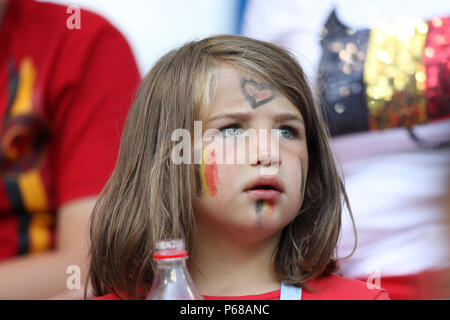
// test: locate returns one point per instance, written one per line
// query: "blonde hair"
(149, 198)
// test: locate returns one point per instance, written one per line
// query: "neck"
(223, 267)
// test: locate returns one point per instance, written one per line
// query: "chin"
(259, 225)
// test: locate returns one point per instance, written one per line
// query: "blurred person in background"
(383, 77)
(67, 79)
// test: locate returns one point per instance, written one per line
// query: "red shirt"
(64, 97)
(331, 287)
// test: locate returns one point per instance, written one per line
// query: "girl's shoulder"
(335, 287)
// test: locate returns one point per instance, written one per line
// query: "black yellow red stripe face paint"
(23, 140)
(394, 75)
(262, 206)
(207, 177)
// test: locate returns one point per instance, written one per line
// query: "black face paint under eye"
(257, 93)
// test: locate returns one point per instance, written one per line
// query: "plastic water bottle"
(172, 280)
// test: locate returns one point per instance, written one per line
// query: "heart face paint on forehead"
(257, 93)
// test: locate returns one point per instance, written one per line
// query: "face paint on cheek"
(198, 180)
(208, 176)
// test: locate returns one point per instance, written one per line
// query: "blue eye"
(231, 130)
(288, 132)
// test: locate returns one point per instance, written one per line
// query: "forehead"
(237, 90)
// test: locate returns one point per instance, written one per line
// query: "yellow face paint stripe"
(394, 75)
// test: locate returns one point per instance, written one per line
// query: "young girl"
(249, 233)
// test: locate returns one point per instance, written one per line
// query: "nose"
(268, 150)
(268, 160)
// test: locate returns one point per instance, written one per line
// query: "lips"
(265, 188)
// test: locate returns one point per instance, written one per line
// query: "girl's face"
(261, 197)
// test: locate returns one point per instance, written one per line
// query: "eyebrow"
(289, 117)
(243, 116)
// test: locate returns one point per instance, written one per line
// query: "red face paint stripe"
(211, 175)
